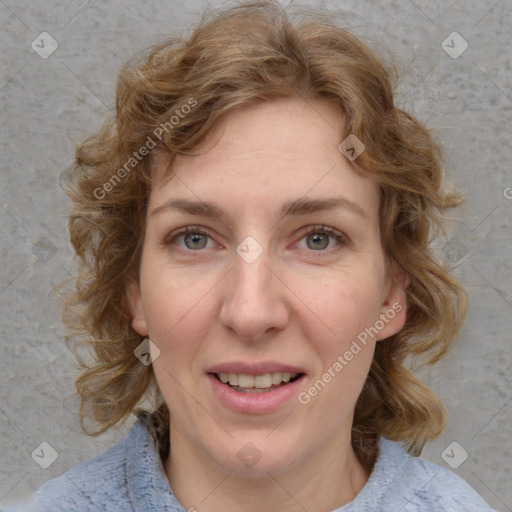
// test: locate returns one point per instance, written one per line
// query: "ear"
(393, 312)
(138, 316)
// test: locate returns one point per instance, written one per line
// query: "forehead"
(272, 151)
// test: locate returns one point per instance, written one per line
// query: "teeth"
(277, 378)
(244, 381)
(264, 381)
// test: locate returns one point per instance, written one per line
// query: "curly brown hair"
(252, 53)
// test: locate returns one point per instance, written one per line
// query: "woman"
(253, 228)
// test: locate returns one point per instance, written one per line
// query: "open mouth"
(257, 383)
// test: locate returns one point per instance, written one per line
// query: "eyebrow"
(301, 206)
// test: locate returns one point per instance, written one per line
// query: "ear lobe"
(394, 308)
(134, 298)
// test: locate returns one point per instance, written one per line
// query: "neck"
(323, 481)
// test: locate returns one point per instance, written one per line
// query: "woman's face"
(281, 272)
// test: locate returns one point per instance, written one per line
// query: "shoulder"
(128, 476)
(89, 485)
(418, 485)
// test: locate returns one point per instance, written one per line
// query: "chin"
(256, 456)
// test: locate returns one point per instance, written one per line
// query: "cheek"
(348, 307)
(176, 307)
(344, 306)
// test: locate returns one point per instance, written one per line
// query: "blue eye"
(193, 238)
(318, 238)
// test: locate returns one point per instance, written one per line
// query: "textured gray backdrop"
(48, 101)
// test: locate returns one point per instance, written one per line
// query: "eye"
(319, 238)
(193, 238)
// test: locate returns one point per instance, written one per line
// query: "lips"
(255, 400)
(254, 387)
(255, 377)
(254, 368)
(259, 383)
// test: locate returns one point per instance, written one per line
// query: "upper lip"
(254, 368)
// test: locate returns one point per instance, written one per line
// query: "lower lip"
(253, 403)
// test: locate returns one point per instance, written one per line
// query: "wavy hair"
(252, 53)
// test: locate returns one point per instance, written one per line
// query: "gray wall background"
(48, 103)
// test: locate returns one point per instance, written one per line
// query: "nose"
(254, 304)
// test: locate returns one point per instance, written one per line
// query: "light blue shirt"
(130, 477)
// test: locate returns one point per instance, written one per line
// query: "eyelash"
(325, 230)
(315, 229)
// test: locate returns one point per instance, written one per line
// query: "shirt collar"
(148, 486)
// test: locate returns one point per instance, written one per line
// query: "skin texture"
(301, 302)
